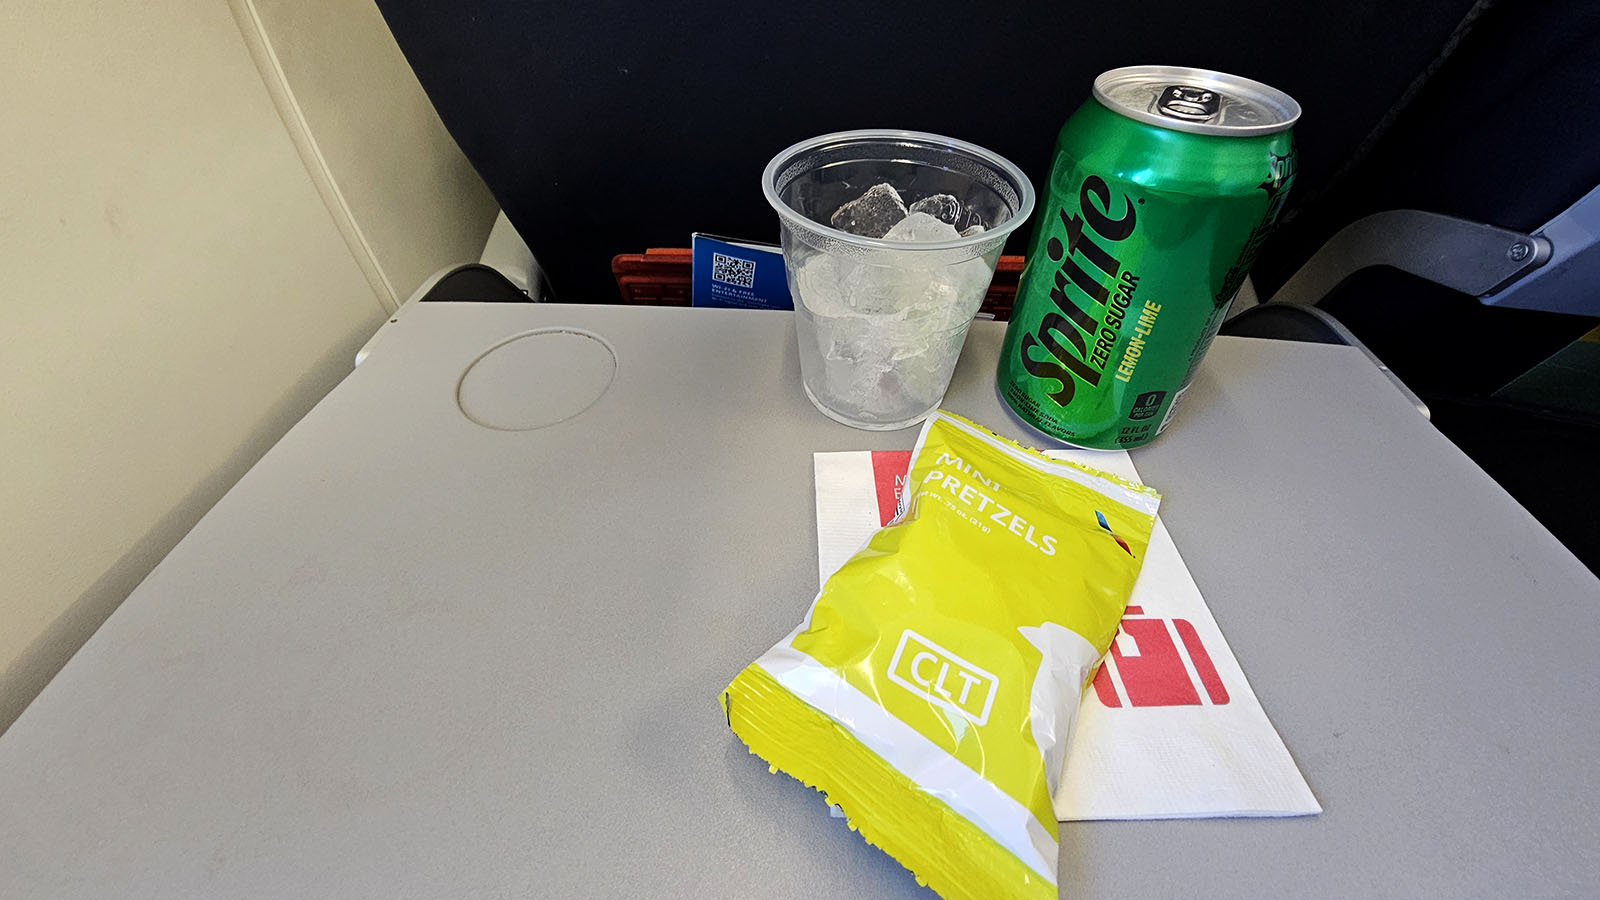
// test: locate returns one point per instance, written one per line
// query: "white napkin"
(1170, 727)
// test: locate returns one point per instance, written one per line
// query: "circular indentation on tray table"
(536, 379)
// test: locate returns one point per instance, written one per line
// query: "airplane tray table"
(413, 656)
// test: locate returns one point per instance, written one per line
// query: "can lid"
(1198, 101)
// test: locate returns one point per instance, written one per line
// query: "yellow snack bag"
(931, 688)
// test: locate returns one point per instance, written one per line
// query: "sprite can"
(1163, 187)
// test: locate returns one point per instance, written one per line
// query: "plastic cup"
(880, 322)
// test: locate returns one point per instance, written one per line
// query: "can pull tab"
(1192, 104)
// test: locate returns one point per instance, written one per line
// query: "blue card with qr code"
(738, 274)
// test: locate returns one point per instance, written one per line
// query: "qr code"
(732, 270)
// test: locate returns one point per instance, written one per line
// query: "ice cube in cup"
(943, 207)
(923, 227)
(872, 214)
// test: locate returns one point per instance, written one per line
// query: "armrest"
(507, 253)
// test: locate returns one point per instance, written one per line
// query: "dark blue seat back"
(606, 127)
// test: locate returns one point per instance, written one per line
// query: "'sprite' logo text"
(1072, 355)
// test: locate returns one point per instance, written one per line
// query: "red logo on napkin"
(889, 479)
(1147, 666)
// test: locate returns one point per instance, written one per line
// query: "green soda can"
(1163, 188)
